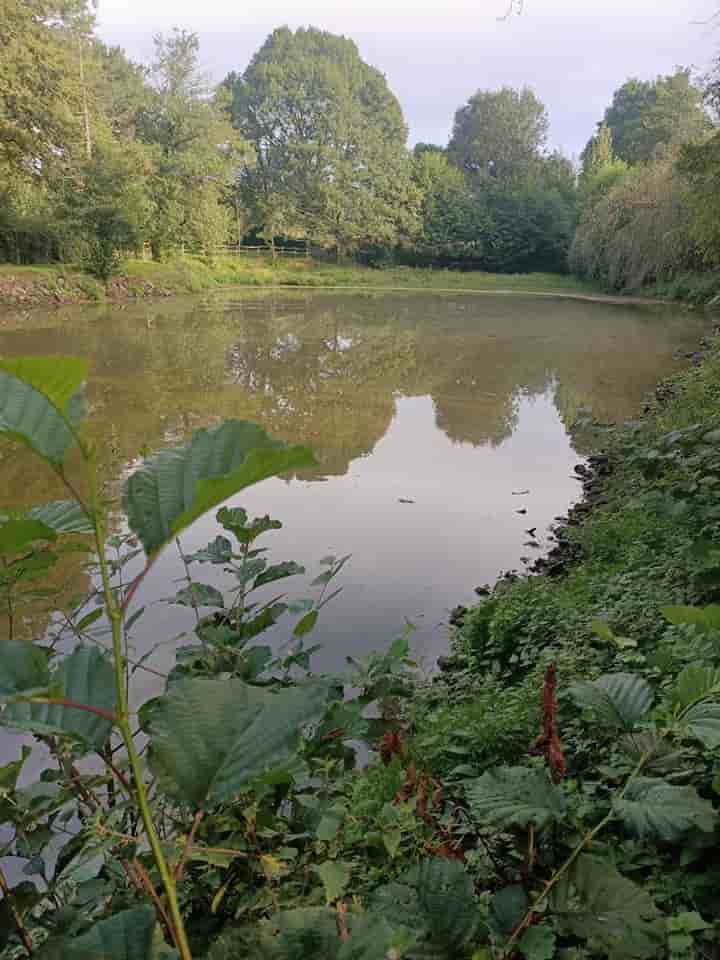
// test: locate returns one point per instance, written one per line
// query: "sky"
(574, 53)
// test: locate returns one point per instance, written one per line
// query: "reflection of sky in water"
(409, 561)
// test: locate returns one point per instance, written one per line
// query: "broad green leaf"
(11, 771)
(694, 683)
(128, 935)
(618, 919)
(619, 699)
(703, 721)
(392, 838)
(436, 902)
(57, 378)
(704, 618)
(374, 938)
(507, 908)
(175, 487)
(41, 403)
(329, 825)
(23, 666)
(335, 876)
(85, 677)
(446, 898)
(278, 572)
(209, 738)
(199, 595)
(306, 624)
(538, 943)
(515, 797)
(17, 533)
(657, 809)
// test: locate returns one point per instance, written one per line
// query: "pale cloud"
(436, 54)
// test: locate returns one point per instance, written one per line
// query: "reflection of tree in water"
(324, 368)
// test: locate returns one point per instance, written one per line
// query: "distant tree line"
(309, 146)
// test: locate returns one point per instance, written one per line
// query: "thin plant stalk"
(123, 721)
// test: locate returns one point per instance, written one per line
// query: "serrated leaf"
(23, 666)
(85, 677)
(64, 516)
(199, 595)
(515, 797)
(618, 919)
(279, 571)
(446, 898)
(538, 943)
(507, 908)
(175, 487)
(41, 403)
(703, 722)
(620, 700)
(695, 682)
(664, 811)
(218, 550)
(335, 876)
(128, 935)
(209, 738)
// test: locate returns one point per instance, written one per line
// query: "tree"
(601, 168)
(646, 114)
(41, 95)
(109, 207)
(499, 134)
(199, 154)
(455, 220)
(329, 140)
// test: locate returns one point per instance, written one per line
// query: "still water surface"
(457, 403)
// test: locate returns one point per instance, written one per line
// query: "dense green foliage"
(238, 823)
(306, 148)
(648, 191)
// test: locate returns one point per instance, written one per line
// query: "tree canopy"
(329, 139)
(647, 114)
(499, 134)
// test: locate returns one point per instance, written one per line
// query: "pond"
(436, 420)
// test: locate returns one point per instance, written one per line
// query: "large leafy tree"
(499, 134)
(199, 154)
(645, 114)
(329, 139)
(41, 93)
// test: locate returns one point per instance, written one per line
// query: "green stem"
(123, 722)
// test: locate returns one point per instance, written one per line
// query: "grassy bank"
(637, 596)
(136, 279)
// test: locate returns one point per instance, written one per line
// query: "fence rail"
(236, 250)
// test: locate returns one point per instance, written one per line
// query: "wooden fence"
(236, 250)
